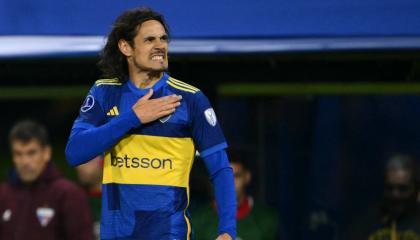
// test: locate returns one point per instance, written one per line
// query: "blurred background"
(316, 95)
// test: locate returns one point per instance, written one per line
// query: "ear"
(47, 152)
(248, 177)
(125, 48)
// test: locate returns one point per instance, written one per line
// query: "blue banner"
(219, 19)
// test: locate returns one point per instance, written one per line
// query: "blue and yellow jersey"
(146, 174)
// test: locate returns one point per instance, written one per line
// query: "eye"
(164, 38)
(149, 39)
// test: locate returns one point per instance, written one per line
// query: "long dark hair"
(113, 64)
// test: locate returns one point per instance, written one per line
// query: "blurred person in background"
(37, 202)
(398, 217)
(255, 221)
(90, 177)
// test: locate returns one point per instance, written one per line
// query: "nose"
(396, 193)
(160, 44)
(24, 160)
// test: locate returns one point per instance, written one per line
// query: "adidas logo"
(113, 112)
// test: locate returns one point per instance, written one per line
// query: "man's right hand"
(148, 110)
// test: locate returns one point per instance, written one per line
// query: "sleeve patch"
(210, 116)
(88, 103)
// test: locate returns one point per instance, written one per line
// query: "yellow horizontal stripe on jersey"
(152, 160)
(183, 84)
(181, 88)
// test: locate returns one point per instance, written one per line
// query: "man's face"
(400, 190)
(30, 159)
(242, 178)
(150, 51)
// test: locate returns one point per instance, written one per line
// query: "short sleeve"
(206, 131)
(91, 113)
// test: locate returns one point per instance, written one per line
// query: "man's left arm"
(221, 175)
(211, 144)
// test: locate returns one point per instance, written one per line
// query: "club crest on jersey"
(210, 116)
(44, 215)
(165, 119)
(88, 103)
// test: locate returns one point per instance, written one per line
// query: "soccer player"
(149, 126)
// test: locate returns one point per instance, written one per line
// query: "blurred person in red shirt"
(37, 202)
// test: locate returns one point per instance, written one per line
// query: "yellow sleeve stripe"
(105, 83)
(108, 80)
(181, 88)
(114, 81)
(183, 84)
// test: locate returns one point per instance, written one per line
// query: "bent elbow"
(71, 156)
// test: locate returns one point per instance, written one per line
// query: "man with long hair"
(148, 126)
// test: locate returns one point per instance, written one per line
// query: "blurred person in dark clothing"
(254, 220)
(398, 217)
(37, 202)
(90, 177)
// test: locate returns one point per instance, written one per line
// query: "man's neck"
(145, 79)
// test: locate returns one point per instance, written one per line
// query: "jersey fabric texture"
(146, 173)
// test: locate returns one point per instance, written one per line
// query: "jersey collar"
(143, 91)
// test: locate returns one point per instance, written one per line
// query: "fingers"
(148, 110)
(168, 109)
(147, 96)
(169, 106)
(169, 99)
(166, 112)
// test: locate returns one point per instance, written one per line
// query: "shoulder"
(4, 189)
(67, 188)
(107, 84)
(181, 87)
(104, 88)
(194, 96)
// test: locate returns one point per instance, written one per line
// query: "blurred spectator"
(37, 202)
(398, 217)
(254, 221)
(90, 177)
